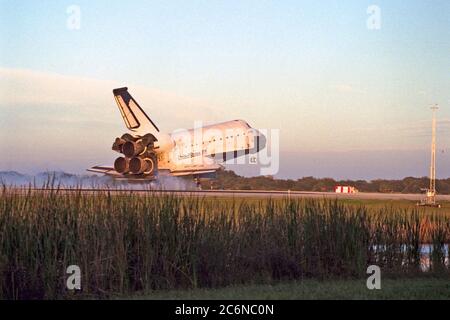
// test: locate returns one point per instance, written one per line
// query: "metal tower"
(433, 152)
(430, 199)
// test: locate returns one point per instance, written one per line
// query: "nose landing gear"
(197, 183)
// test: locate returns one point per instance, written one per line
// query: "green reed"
(126, 242)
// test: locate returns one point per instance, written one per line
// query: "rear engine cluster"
(139, 155)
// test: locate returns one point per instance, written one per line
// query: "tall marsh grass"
(126, 243)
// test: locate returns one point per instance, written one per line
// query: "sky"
(350, 100)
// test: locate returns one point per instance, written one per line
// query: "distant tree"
(227, 179)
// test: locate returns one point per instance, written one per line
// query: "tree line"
(230, 180)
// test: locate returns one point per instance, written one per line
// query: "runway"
(256, 194)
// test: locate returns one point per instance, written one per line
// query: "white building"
(345, 189)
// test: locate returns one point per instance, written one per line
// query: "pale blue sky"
(312, 69)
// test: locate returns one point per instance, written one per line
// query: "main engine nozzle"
(122, 165)
(133, 148)
(142, 165)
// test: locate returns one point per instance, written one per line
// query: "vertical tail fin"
(134, 117)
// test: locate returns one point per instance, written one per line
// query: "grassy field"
(125, 244)
(424, 288)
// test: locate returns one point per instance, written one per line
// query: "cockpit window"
(242, 121)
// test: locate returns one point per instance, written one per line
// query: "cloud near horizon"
(57, 122)
(91, 99)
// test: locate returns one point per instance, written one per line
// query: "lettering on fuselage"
(190, 155)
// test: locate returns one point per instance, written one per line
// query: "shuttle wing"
(186, 170)
(105, 170)
(190, 173)
(109, 171)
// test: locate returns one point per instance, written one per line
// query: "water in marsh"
(428, 255)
